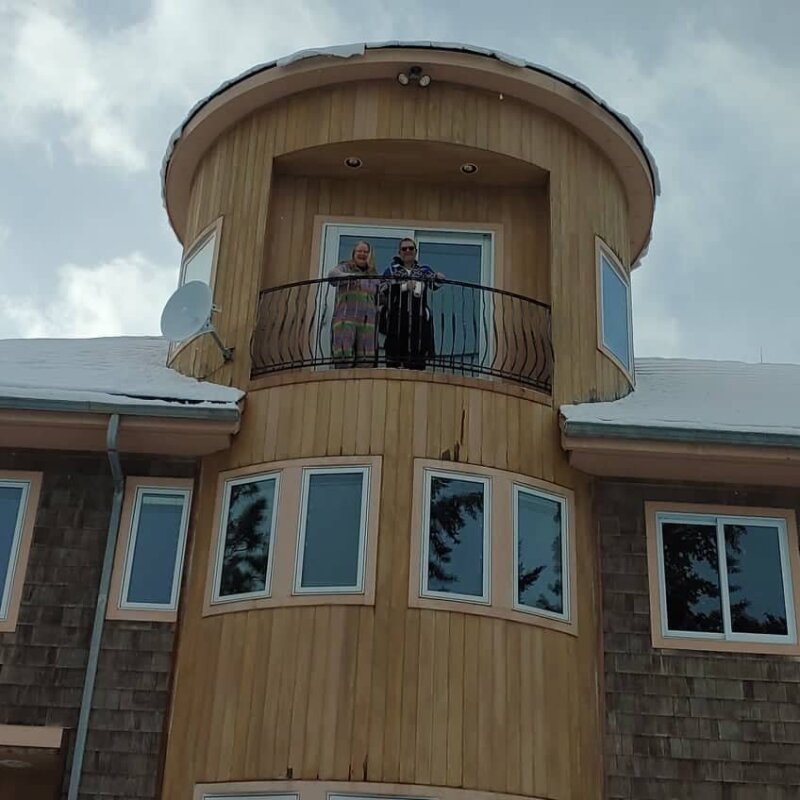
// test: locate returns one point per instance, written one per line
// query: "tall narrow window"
(244, 555)
(616, 337)
(725, 578)
(13, 499)
(199, 262)
(333, 525)
(455, 561)
(156, 543)
(540, 548)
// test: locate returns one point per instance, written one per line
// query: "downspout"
(100, 611)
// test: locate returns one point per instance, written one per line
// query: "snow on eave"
(358, 49)
(698, 401)
(125, 375)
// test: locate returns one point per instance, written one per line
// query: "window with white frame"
(250, 796)
(332, 535)
(13, 502)
(247, 526)
(332, 796)
(456, 536)
(616, 330)
(461, 255)
(540, 553)
(156, 544)
(198, 263)
(725, 578)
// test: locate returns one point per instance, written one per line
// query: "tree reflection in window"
(751, 558)
(691, 576)
(248, 533)
(456, 531)
(755, 579)
(539, 552)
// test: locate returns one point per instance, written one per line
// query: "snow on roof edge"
(357, 49)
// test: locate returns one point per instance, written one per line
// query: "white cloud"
(721, 119)
(121, 297)
(97, 91)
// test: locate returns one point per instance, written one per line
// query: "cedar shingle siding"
(684, 724)
(42, 663)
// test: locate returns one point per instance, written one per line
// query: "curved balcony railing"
(445, 326)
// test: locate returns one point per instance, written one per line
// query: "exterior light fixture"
(353, 162)
(414, 75)
(469, 168)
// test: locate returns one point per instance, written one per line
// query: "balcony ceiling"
(423, 161)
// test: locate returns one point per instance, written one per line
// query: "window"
(249, 796)
(244, 556)
(199, 263)
(19, 497)
(456, 536)
(152, 539)
(299, 532)
(492, 543)
(333, 522)
(540, 550)
(155, 550)
(332, 790)
(614, 322)
(464, 314)
(723, 578)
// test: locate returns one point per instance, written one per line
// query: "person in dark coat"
(406, 320)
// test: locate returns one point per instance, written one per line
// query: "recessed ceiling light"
(354, 162)
(469, 168)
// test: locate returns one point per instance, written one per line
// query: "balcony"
(447, 327)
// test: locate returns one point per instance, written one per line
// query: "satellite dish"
(188, 314)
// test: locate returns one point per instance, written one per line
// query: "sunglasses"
(408, 249)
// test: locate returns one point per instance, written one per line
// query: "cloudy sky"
(90, 91)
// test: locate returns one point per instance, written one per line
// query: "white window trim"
(434, 234)
(719, 521)
(141, 491)
(298, 587)
(250, 796)
(565, 615)
(604, 253)
(214, 230)
(486, 482)
(216, 597)
(16, 543)
(202, 239)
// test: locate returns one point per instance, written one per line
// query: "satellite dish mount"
(187, 315)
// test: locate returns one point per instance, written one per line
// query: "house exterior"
(427, 533)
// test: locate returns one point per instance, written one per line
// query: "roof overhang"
(611, 132)
(86, 431)
(683, 455)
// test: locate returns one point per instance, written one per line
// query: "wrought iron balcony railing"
(445, 326)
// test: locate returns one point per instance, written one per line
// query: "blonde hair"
(370, 258)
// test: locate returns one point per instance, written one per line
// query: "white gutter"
(599, 430)
(221, 412)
